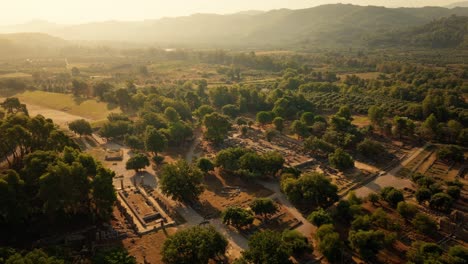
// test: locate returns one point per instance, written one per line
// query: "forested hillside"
(29, 44)
(327, 25)
(447, 32)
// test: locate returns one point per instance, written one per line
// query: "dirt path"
(390, 178)
(306, 228)
(191, 151)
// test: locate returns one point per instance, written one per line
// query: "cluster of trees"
(49, 178)
(181, 181)
(240, 217)
(194, 245)
(11, 256)
(310, 189)
(426, 252)
(438, 197)
(23, 135)
(202, 244)
(245, 162)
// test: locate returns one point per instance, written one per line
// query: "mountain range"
(326, 25)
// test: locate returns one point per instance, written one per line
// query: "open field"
(15, 75)
(90, 109)
(361, 121)
(363, 75)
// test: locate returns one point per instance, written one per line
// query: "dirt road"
(390, 178)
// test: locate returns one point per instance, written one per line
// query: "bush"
(392, 195)
(451, 153)
(407, 210)
(341, 160)
(424, 224)
(320, 217)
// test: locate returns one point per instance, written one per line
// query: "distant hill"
(327, 25)
(449, 32)
(29, 44)
(458, 4)
(32, 26)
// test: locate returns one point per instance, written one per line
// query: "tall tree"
(217, 127)
(181, 181)
(81, 127)
(195, 245)
(155, 141)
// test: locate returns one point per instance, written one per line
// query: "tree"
(155, 141)
(181, 181)
(295, 242)
(367, 243)
(81, 127)
(205, 165)
(441, 201)
(371, 149)
(75, 72)
(329, 242)
(451, 153)
(402, 126)
(308, 118)
(195, 245)
(217, 127)
(376, 115)
(237, 217)
(35, 256)
(320, 217)
(423, 252)
(407, 210)
(373, 198)
(114, 256)
(134, 142)
(137, 162)
(103, 193)
(341, 160)
(278, 122)
(263, 206)
(392, 196)
(424, 224)
(171, 114)
(454, 192)
(230, 110)
(264, 117)
(13, 105)
(79, 87)
(457, 255)
(300, 128)
(101, 89)
(318, 145)
(204, 110)
(311, 189)
(423, 194)
(344, 112)
(429, 128)
(266, 247)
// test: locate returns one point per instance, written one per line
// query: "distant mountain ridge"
(326, 25)
(29, 44)
(458, 4)
(448, 32)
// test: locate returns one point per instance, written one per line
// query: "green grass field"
(88, 108)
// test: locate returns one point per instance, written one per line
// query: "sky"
(82, 11)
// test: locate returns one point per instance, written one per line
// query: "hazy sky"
(80, 11)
